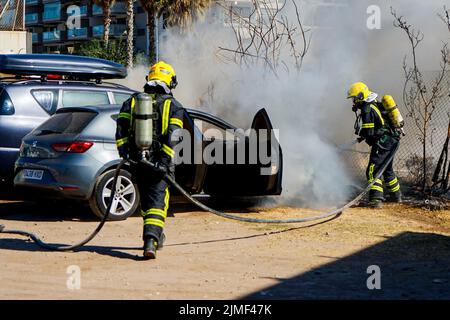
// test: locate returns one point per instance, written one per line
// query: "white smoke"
(310, 108)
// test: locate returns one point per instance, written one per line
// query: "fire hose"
(170, 180)
(54, 247)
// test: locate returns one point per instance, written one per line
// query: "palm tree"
(106, 5)
(130, 33)
(178, 12)
(183, 12)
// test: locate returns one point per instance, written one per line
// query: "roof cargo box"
(77, 67)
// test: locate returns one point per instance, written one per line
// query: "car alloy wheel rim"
(124, 198)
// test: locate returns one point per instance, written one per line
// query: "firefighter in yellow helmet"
(153, 190)
(380, 125)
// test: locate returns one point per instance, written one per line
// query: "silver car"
(73, 155)
(26, 103)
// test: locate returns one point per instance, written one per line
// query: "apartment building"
(59, 25)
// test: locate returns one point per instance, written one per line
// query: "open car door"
(249, 174)
(191, 175)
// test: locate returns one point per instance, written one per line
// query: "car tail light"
(73, 147)
(54, 77)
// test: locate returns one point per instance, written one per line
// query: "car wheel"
(126, 200)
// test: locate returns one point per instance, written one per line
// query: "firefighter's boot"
(374, 204)
(150, 245)
(161, 241)
(395, 197)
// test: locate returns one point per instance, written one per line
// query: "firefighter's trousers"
(154, 200)
(378, 155)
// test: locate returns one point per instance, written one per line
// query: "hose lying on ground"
(335, 212)
(54, 247)
(170, 180)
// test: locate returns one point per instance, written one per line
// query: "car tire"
(125, 205)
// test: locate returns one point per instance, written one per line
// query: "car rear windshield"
(66, 123)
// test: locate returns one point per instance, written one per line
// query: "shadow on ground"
(413, 266)
(46, 210)
(53, 210)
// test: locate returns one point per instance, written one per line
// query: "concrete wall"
(15, 42)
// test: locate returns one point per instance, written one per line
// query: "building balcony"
(32, 2)
(97, 31)
(31, 18)
(35, 37)
(115, 30)
(79, 33)
(118, 8)
(52, 11)
(50, 36)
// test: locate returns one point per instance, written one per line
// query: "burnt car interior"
(227, 176)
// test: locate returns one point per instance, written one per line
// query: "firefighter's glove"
(160, 170)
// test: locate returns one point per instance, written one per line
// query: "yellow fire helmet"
(358, 92)
(163, 72)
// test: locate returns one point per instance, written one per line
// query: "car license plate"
(33, 174)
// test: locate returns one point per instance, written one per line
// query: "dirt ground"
(207, 257)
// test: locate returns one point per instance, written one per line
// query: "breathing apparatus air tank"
(143, 127)
(394, 116)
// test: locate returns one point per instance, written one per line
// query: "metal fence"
(12, 15)
(408, 160)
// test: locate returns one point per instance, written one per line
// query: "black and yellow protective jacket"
(373, 124)
(170, 118)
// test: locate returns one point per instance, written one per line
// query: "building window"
(96, 9)
(118, 29)
(53, 35)
(97, 31)
(77, 33)
(31, 18)
(52, 11)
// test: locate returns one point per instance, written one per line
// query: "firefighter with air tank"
(146, 128)
(380, 125)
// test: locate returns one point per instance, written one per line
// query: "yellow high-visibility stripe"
(158, 212)
(379, 181)
(166, 201)
(377, 188)
(133, 103)
(121, 142)
(378, 112)
(392, 182)
(154, 222)
(371, 168)
(125, 115)
(167, 150)
(165, 116)
(368, 125)
(176, 122)
(395, 189)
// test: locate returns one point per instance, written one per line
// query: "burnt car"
(73, 155)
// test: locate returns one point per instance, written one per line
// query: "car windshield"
(66, 123)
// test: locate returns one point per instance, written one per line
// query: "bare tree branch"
(419, 101)
(261, 36)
